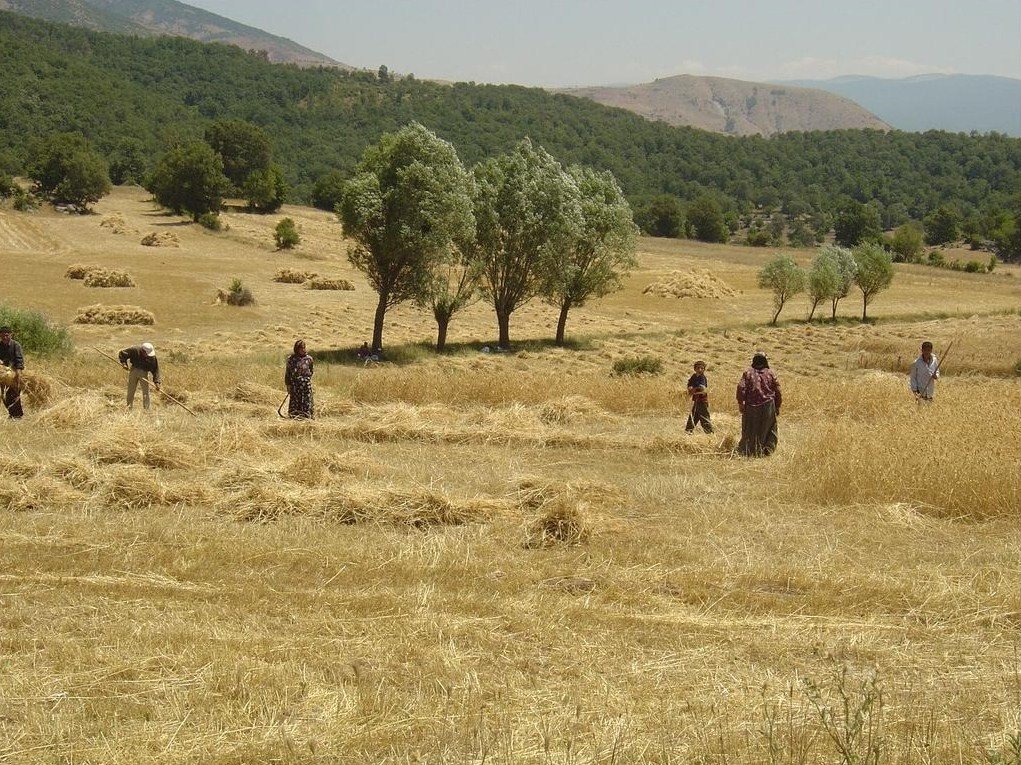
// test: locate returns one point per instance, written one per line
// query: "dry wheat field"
(500, 558)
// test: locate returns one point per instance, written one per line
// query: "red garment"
(757, 386)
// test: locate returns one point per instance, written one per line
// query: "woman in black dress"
(298, 379)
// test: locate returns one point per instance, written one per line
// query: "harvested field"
(114, 314)
(511, 558)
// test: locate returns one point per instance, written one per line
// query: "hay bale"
(78, 271)
(161, 239)
(698, 283)
(114, 314)
(323, 283)
(561, 522)
(103, 277)
(290, 276)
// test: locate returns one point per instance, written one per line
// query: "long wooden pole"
(145, 380)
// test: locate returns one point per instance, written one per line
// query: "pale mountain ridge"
(169, 17)
(734, 107)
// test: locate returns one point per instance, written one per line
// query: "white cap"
(149, 350)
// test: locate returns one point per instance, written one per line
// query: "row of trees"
(516, 227)
(833, 273)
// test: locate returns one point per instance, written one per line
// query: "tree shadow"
(406, 354)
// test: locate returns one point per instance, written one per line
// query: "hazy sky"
(593, 42)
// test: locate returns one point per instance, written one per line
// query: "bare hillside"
(734, 106)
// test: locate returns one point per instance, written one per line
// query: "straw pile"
(36, 389)
(102, 277)
(561, 521)
(126, 445)
(254, 393)
(78, 271)
(114, 314)
(116, 223)
(323, 283)
(161, 239)
(290, 276)
(699, 283)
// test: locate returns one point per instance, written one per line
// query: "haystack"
(161, 239)
(323, 283)
(699, 283)
(560, 522)
(290, 276)
(116, 223)
(114, 314)
(78, 271)
(103, 277)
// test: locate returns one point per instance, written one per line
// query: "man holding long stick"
(143, 362)
(924, 374)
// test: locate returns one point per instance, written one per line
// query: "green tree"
(128, 161)
(286, 234)
(801, 235)
(67, 169)
(857, 223)
(527, 212)
(661, 216)
(942, 226)
(265, 189)
(846, 266)
(706, 219)
(873, 273)
(452, 287)
(410, 200)
(601, 251)
(907, 242)
(777, 228)
(1007, 236)
(784, 278)
(823, 280)
(328, 190)
(244, 148)
(189, 179)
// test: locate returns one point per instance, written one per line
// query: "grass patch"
(35, 332)
(638, 365)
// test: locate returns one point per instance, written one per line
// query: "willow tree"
(409, 201)
(601, 252)
(452, 287)
(527, 212)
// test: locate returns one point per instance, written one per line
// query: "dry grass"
(114, 314)
(691, 284)
(380, 585)
(161, 239)
(103, 277)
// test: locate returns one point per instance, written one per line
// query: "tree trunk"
(562, 321)
(834, 315)
(442, 320)
(815, 304)
(377, 327)
(503, 321)
(777, 314)
(864, 308)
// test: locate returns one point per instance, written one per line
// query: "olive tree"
(784, 278)
(823, 280)
(846, 269)
(601, 251)
(410, 199)
(527, 212)
(873, 273)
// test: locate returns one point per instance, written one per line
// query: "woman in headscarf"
(298, 379)
(758, 399)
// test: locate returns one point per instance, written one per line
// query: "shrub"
(936, 259)
(23, 201)
(211, 221)
(758, 237)
(992, 264)
(638, 365)
(974, 267)
(322, 283)
(286, 234)
(7, 185)
(238, 294)
(35, 332)
(290, 276)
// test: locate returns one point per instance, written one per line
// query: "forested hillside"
(159, 90)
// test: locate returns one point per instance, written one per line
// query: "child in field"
(698, 389)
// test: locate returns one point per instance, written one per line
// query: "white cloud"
(873, 66)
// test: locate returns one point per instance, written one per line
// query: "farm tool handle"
(146, 381)
(933, 373)
(280, 408)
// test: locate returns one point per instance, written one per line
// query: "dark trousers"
(699, 416)
(758, 430)
(12, 401)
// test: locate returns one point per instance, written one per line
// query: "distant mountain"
(168, 17)
(734, 106)
(956, 102)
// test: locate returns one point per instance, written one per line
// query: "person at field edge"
(759, 400)
(140, 361)
(698, 389)
(13, 360)
(924, 374)
(298, 381)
